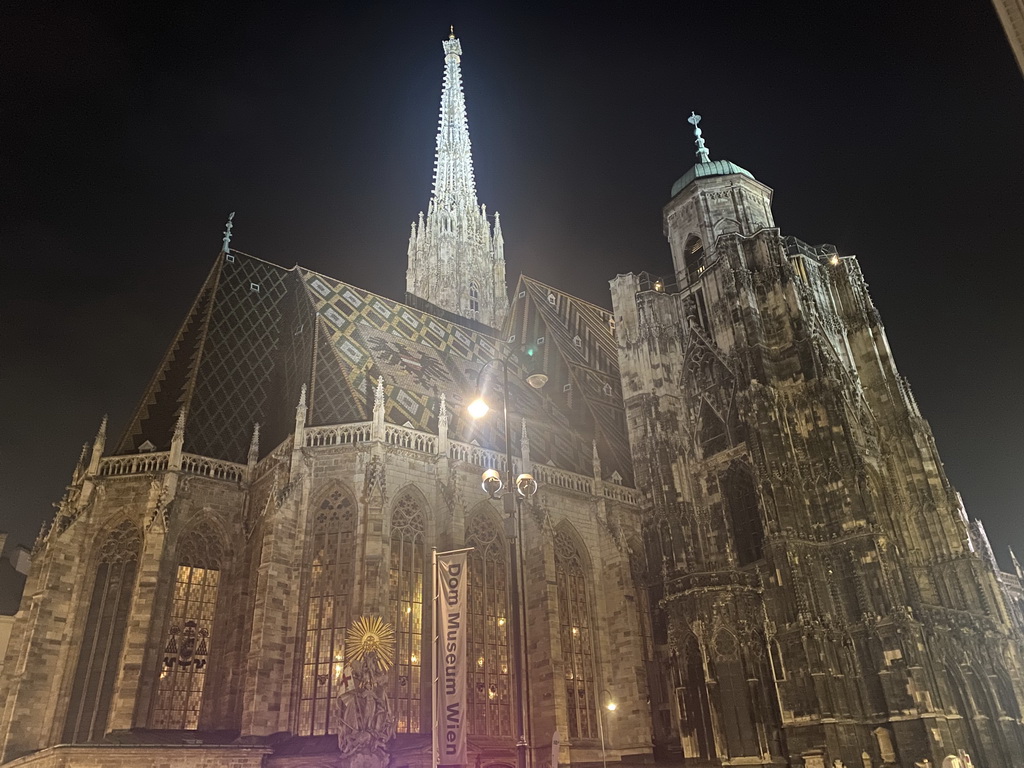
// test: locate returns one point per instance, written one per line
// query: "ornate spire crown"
(456, 259)
(454, 185)
(703, 156)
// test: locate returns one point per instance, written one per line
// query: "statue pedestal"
(376, 759)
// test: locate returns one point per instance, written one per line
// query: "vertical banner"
(451, 718)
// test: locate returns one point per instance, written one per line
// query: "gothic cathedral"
(743, 549)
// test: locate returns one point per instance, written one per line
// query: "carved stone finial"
(451, 32)
(1016, 565)
(378, 396)
(101, 433)
(302, 397)
(254, 444)
(442, 412)
(179, 426)
(703, 156)
(597, 462)
(226, 246)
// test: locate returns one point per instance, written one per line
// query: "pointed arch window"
(713, 437)
(576, 625)
(740, 499)
(184, 663)
(693, 256)
(328, 576)
(490, 692)
(100, 655)
(474, 300)
(406, 597)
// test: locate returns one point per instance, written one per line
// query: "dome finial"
(451, 32)
(702, 151)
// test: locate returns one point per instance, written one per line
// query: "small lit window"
(254, 287)
(577, 342)
(551, 299)
(229, 258)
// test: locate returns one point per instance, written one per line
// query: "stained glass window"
(490, 692)
(406, 596)
(186, 653)
(100, 654)
(577, 641)
(329, 576)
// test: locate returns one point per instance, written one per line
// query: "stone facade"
(822, 592)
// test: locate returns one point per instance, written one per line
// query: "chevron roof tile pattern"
(258, 331)
(577, 341)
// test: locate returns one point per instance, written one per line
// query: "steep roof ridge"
(141, 412)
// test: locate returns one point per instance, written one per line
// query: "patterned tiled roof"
(257, 332)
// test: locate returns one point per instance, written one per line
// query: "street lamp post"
(607, 702)
(512, 495)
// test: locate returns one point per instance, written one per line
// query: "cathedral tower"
(456, 261)
(824, 595)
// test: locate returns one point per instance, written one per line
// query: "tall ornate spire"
(454, 186)
(456, 262)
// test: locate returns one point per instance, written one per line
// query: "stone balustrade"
(356, 434)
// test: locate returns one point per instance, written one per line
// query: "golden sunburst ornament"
(371, 634)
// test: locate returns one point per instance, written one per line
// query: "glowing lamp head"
(537, 380)
(478, 408)
(526, 486)
(491, 483)
(611, 706)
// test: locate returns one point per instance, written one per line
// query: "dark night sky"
(128, 134)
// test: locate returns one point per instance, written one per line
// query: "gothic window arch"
(740, 499)
(693, 257)
(328, 579)
(183, 670)
(490, 692)
(406, 607)
(713, 437)
(474, 300)
(100, 655)
(576, 631)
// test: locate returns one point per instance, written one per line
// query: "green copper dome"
(707, 168)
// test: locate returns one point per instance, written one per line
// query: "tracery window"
(328, 577)
(490, 692)
(406, 596)
(474, 299)
(577, 640)
(100, 654)
(183, 665)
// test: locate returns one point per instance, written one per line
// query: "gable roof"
(256, 332)
(576, 340)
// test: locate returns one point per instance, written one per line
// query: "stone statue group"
(363, 712)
